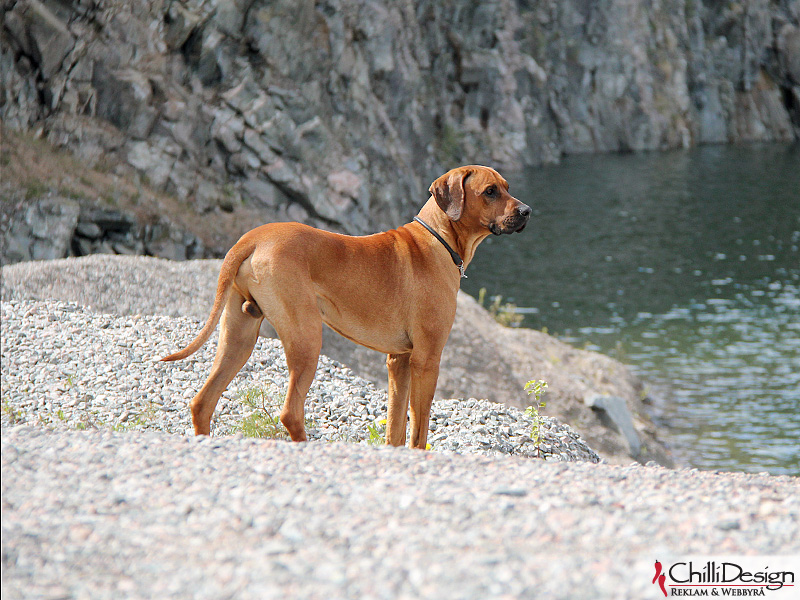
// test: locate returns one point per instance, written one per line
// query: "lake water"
(684, 265)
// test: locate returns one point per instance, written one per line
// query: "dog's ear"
(449, 192)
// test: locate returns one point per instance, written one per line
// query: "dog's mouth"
(509, 225)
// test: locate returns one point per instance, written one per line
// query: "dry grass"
(31, 167)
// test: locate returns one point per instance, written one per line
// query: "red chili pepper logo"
(660, 577)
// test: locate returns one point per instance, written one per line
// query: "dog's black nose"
(524, 211)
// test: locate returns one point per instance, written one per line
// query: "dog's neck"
(461, 238)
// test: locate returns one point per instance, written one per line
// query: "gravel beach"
(104, 495)
(65, 367)
(481, 360)
(152, 515)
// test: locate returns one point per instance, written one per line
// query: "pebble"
(66, 367)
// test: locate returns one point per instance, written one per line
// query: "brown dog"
(394, 292)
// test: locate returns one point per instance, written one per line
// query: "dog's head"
(480, 194)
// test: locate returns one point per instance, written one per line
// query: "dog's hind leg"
(237, 338)
(302, 345)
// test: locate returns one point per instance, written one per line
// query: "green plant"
(88, 419)
(377, 433)
(35, 189)
(505, 314)
(13, 416)
(619, 352)
(536, 388)
(263, 422)
(138, 421)
(70, 193)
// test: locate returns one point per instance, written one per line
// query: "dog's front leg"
(399, 367)
(424, 374)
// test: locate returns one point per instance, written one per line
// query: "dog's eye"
(491, 192)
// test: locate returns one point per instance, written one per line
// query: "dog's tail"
(230, 267)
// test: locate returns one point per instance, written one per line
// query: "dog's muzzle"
(513, 223)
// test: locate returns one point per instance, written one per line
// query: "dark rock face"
(53, 227)
(340, 112)
(41, 230)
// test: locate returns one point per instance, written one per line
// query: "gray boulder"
(41, 230)
(614, 413)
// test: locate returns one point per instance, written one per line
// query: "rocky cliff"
(340, 112)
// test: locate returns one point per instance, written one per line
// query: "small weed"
(536, 388)
(35, 189)
(88, 419)
(129, 425)
(149, 413)
(13, 416)
(377, 433)
(556, 360)
(505, 314)
(70, 193)
(140, 421)
(265, 420)
(262, 423)
(619, 352)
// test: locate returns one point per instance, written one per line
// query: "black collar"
(453, 254)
